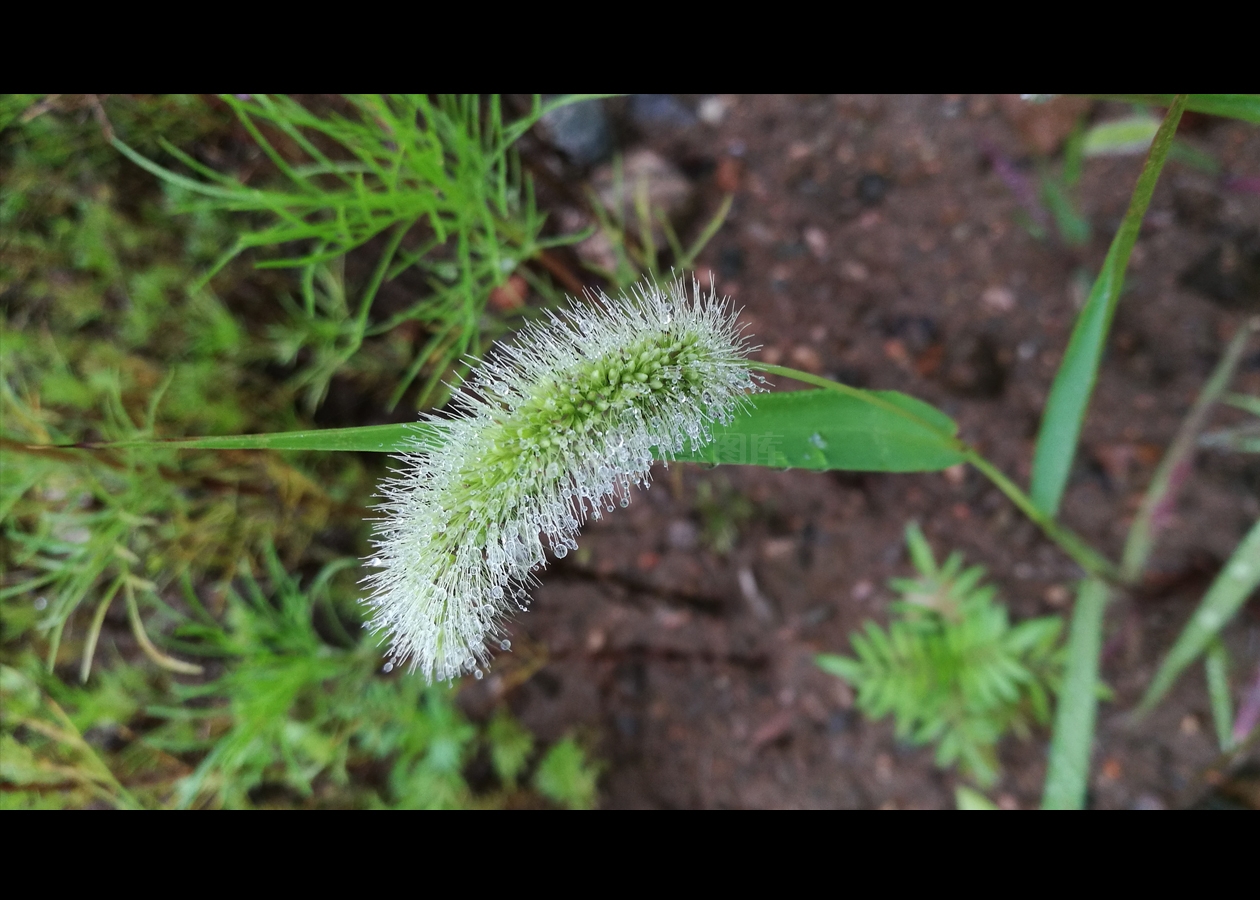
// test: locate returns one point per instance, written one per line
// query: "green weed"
(436, 180)
(950, 668)
(181, 663)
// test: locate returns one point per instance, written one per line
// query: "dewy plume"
(554, 429)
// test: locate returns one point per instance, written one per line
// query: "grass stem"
(1175, 466)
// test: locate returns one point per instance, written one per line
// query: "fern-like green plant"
(950, 668)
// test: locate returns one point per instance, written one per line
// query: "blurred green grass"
(181, 628)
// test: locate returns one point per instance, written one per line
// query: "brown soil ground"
(874, 240)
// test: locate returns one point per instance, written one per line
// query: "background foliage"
(180, 628)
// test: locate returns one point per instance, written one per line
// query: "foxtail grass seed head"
(551, 431)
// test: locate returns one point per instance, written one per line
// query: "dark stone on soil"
(1229, 273)
(730, 261)
(657, 110)
(580, 131)
(871, 188)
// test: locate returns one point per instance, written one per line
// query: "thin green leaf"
(823, 430)
(1162, 492)
(1067, 776)
(687, 260)
(367, 439)
(921, 552)
(1216, 668)
(1121, 137)
(1074, 382)
(966, 798)
(1243, 439)
(818, 430)
(1237, 581)
(1231, 106)
(1244, 402)
(841, 666)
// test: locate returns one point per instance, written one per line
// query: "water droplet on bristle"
(505, 645)
(388, 667)
(560, 551)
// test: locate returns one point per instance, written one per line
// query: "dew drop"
(505, 645)
(41, 603)
(388, 667)
(561, 551)
(625, 501)
(496, 592)
(478, 674)
(470, 663)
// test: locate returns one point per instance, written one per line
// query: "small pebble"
(871, 188)
(580, 131)
(712, 110)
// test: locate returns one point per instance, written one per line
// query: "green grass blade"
(1067, 776)
(819, 430)
(1216, 668)
(1131, 135)
(1244, 402)
(822, 430)
(1231, 106)
(969, 798)
(188, 184)
(1161, 493)
(367, 439)
(688, 260)
(1244, 439)
(1237, 581)
(1074, 382)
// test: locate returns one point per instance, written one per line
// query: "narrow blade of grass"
(1244, 439)
(366, 439)
(968, 798)
(1216, 668)
(1237, 581)
(1242, 401)
(1067, 776)
(1074, 382)
(1231, 106)
(1174, 467)
(876, 431)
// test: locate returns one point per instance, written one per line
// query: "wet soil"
(877, 240)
